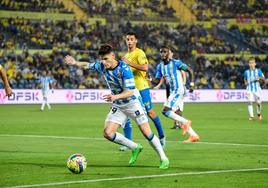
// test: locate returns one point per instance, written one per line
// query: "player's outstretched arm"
(261, 78)
(162, 80)
(71, 61)
(191, 75)
(184, 76)
(8, 89)
(154, 82)
(246, 82)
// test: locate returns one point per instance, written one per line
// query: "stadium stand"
(34, 5)
(156, 9)
(208, 9)
(31, 45)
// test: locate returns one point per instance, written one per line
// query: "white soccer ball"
(77, 163)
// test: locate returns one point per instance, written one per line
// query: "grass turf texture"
(27, 160)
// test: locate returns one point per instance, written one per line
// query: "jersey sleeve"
(245, 76)
(142, 59)
(97, 66)
(127, 77)
(158, 73)
(180, 65)
(260, 74)
(39, 80)
(51, 80)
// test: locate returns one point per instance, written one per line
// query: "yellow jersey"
(1, 67)
(138, 56)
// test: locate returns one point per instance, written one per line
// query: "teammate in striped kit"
(46, 84)
(120, 81)
(177, 124)
(252, 78)
(170, 70)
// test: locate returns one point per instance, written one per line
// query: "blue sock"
(158, 126)
(128, 130)
(113, 137)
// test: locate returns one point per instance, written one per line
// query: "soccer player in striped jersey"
(3, 75)
(252, 78)
(137, 60)
(177, 124)
(125, 104)
(170, 70)
(46, 84)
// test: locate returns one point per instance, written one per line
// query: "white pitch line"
(232, 144)
(102, 139)
(138, 177)
(54, 137)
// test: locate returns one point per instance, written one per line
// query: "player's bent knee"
(108, 134)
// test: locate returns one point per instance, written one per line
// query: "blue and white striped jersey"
(252, 78)
(45, 81)
(118, 79)
(171, 72)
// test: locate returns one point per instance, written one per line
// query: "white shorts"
(120, 113)
(45, 93)
(138, 95)
(175, 101)
(254, 96)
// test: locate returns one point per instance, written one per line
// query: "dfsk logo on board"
(20, 96)
(231, 95)
(24, 96)
(84, 96)
(220, 95)
(69, 96)
(61, 96)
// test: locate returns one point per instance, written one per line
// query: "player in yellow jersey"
(8, 89)
(138, 62)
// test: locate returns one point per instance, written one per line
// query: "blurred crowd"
(51, 6)
(24, 70)
(208, 9)
(128, 8)
(82, 35)
(256, 36)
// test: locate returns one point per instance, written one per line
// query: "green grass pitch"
(34, 147)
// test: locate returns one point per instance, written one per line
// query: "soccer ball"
(77, 163)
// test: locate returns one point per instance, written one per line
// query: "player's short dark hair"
(252, 58)
(105, 49)
(132, 33)
(165, 46)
